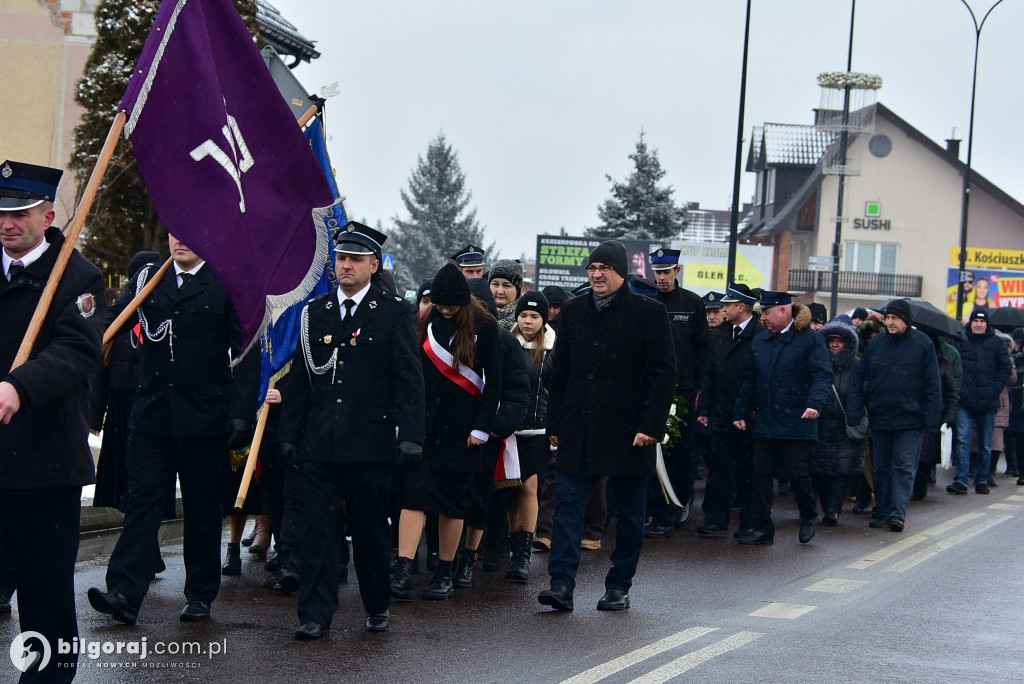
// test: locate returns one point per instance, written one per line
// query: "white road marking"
(596, 674)
(784, 611)
(692, 660)
(836, 586)
(1015, 497)
(1003, 507)
(902, 545)
(943, 544)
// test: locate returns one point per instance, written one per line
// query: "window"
(870, 257)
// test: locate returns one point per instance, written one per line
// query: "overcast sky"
(542, 99)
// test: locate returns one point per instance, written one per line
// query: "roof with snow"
(282, 35)
(791, 144)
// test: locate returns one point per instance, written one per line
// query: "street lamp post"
(967, 173)
(734, 218)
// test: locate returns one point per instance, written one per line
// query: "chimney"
(953, 147)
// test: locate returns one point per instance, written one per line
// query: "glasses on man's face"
(599, 269)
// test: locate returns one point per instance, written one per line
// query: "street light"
(967, 174)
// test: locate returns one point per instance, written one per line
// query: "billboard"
(562, 260)
(986, 285)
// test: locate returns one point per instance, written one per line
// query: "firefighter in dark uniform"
(190, 408)
(470, 261)
(44, 405)
(354, 405)
(690, 337)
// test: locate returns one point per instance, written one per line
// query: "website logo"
(29, 649)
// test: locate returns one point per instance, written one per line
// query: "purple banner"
(229, 172)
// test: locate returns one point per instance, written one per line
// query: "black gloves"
(409, 454)
(240, 432)
(288, 456)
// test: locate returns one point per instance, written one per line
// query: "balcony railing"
(857, 282)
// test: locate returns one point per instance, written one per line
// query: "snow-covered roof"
(279, 32)
(794, 144)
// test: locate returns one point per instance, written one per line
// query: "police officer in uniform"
(44, 423)
(470, 261)
(189, 410)
(355, 402)
(690, 335)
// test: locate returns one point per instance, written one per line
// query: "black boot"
(464, 575)
(233, 564)
(522, 544)
(401, 583)
(440, 588)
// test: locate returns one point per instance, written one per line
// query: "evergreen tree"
(439, 223)
(122, 220)
(639, 209)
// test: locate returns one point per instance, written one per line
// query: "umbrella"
(930, 319)
(1006, 318)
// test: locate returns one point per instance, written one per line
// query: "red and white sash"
(507, 472)
(464, 377)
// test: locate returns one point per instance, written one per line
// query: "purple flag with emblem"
(230, 173)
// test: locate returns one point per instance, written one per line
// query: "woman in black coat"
(462, 372)
(836, 458)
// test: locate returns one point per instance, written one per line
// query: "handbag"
(858, 432)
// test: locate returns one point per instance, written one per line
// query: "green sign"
(873, 209)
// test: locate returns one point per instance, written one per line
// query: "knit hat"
(819, 314)
(860, 312)
(978, 314)
(450, 287)
(424, 290)
(555, 295)
(533, 301)
(1018, 335)
(899, 307)
(612, 253)
(509, 269)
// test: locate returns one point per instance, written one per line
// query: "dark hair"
(466, 321)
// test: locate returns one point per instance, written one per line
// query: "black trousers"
(153, 462)
(790, 457)
(729, 464)
(329, 488)
(283, 487)
(40, 530)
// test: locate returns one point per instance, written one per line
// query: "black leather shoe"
(273, 563)
(681, 515)
(711, 531)
(653, 530)
(310, 631)
(896, 524)
(981, 488)
(614, 599)
(233, 563)
(288, 582)
(115, 604)
(757, 537)
(806, 530)
(401, 583)
(440, 588)
(830, 519)
(742, 532)
(378, 623)
(272, 580)
(878, 523)
(558, 597)
(195, 611)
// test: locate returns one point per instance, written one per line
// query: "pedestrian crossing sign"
(389, 262)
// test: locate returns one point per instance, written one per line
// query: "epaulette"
(319, 297)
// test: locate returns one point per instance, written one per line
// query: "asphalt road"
(941, 602)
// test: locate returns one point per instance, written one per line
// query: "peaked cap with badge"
(664, 259)
(23, 186)
(713, 300)
(356, 238)
(469, 256)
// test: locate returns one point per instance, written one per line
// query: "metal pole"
(734, 219)
(844, 140)
(967, 174)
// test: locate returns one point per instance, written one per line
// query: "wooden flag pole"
(70, 238)
(250, 462)
(310, 113)
(137, 302)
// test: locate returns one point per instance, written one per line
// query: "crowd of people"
(478, 426)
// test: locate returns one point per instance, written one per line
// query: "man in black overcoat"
(729, 464)
(610, 391)
(355, 403)
(191, 407)
(44, 431)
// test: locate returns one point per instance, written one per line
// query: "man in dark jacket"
(898, 381)
(354, 404)
(788, 380)
(730, 450)
(191, 407)
(44, 430)
(611, 388)
(987, 370)
(690, 337)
